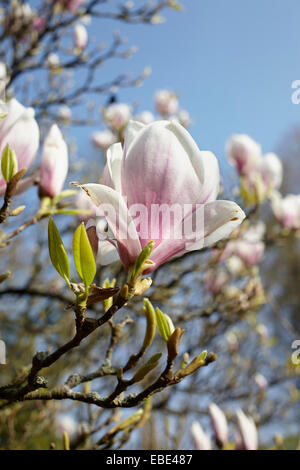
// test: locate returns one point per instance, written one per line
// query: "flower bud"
(219, 423)
(243, 153)
(54, 166)
(103, 139)
(80, 37)
(247, 432)
(117, 115)
(166, 102)
(201, 439)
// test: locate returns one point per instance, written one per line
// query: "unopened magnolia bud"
(151, 324)
(173, 343)
(219, 423)
(124, 291)
(80, 37)
(66, 441)
(87, 387)
(17, 211)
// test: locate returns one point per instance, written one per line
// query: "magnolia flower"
(243, 153)
(117, 115)
(71, 5)
(103, 139)
(39, 23)
(65, 113)
(287, 210)
(54, 167)
(19, 129)
(80, 36)
(215, 281)
(161, 187)
(270, 170)
(250, 248)
(201, 439)
(184, 118)
(52, 60)
(247, 432)
(166, 102)
(261, 382)
(145, 117)
(219, 423)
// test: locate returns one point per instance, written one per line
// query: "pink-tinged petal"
(206, 226)
(205, 163)
(132, 130)
(201, 439)
(219, 423)
(23, 137)
(157, 170)
(271, 170)
(119, 220)
(107, 253)
(211, 176)
(112, 172)
(243, 153)
(248, 436)
(14, 110)
(54, 167)
(190, 147)
(220, 219)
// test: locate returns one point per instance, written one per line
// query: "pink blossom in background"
(261, 382)
(39, 23)
(249, 248)
(200, 438)
(271, 171)
(54, 166)
(161, 165)
(103, 139)
(71, 5)
(117, 115)
(243, 153)
(219, 423)
(287, 210)
(65, 113)
(20, 130)
(215, 281)
(145, 117)
(80, 36)
(166, 102)
(247, 432)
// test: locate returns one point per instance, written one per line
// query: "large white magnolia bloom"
(161, 166)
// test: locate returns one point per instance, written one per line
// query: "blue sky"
(232, 62)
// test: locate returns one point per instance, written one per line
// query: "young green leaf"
(164, 324)
(9, 163)
(139, 265)
(57, 252)
(83, 255)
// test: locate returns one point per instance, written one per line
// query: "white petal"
(118, 218)
(114, 157)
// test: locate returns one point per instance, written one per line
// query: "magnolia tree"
(133, 308)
